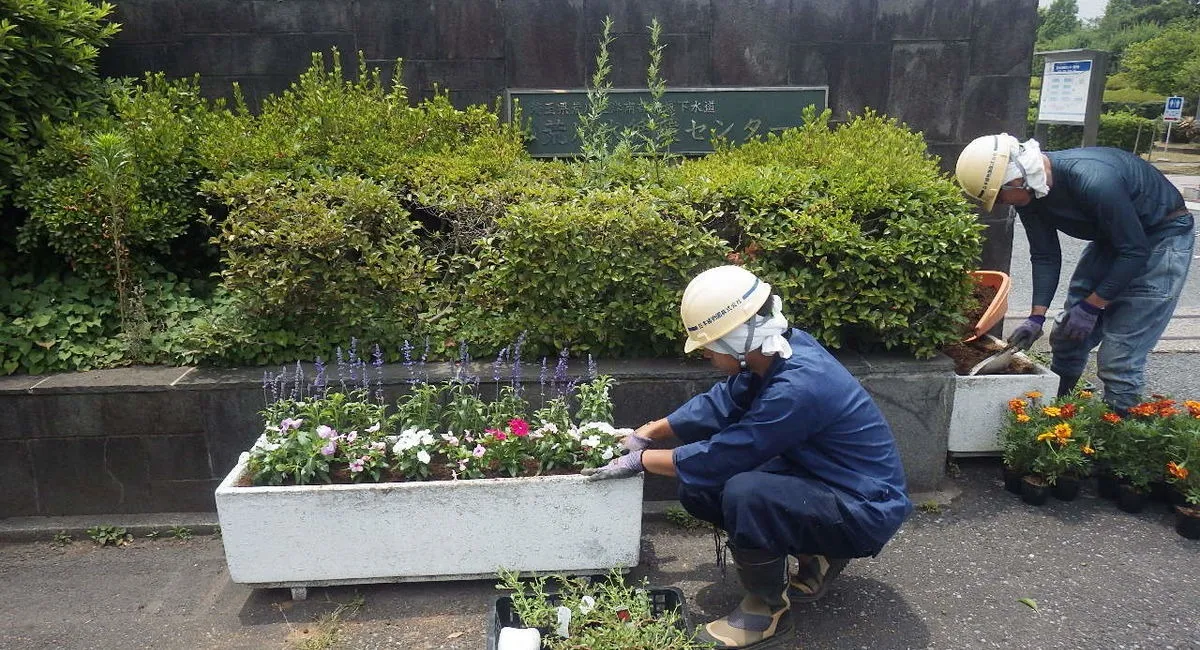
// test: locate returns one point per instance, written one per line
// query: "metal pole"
(1167, 144)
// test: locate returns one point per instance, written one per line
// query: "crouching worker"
(789, 455)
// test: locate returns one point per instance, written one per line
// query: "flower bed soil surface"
(966, 355)
(983, 297)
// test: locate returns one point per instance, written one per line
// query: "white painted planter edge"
(310, 535)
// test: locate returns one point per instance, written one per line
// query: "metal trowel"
(996, 362)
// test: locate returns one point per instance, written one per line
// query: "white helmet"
(717, 301)
(981, 166)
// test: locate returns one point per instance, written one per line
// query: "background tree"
(1060, 18)
(1168, 63)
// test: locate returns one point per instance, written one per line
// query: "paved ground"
(952, 578)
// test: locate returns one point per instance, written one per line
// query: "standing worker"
(789, 455)
(1129, 278)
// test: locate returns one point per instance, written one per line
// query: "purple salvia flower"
(516, 363)
(542, 378)
(352, 360)
(424, 358)
(341, 366)
(591, 371)
(406, 352)
(497, 363)
(266, 387)
(319, 382)
(377, 361)
(560, 372)
(298, 382)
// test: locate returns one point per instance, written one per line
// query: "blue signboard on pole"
(1174, 109)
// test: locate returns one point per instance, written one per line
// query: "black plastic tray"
(662, 600)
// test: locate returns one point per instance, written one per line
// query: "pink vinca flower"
(356, 465)
(519, 427)
(478, 451)
(352, 436)
(329, 449)
(326, 432)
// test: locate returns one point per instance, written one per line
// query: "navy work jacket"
(1107, 196)
(808, 416)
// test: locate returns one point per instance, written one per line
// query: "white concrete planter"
(980, 404)
(314, 535)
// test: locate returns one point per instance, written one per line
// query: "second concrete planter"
(981, 402)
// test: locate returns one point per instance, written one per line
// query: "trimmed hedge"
(341, 211)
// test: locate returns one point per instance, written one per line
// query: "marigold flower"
(1111, 418)
(1087, 450)
(1045, 436)
(1145, 409)
(1178, 471)
(1016, 405)
(1068, 411)
(1052, 411)
(1033, 394)
(1085, 394)
(1022, 418)
(1062, 431)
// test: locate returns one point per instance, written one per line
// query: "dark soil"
(966, 355)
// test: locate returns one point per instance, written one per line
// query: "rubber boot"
(813, 576)
(763, 614)
(1066, 384)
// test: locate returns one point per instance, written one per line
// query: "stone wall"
(160, 439)
(953, 70)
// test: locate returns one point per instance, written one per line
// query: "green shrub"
(48, 50)
(326, 125)
(602, 273)
(1125, 131)
(138, 167)
(324, 259)
(857, 229)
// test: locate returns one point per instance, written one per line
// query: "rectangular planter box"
(314, 535)
(980, 404)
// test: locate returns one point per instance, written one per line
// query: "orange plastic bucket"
(999, 281)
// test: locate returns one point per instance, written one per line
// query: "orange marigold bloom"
(1087, 450)
(1144, 410)
(1022, 418)
(1016, 405)
(1193, 407)
(1033, 394)
(1085, 394)
(1052, 411)
(1068, 411)
(1111, 417)
(1178, 471)
(1062, 431)
(1045, 436)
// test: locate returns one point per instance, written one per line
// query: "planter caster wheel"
(299, 593)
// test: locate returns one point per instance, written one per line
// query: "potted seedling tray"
(662, 601)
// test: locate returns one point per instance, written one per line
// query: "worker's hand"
(620, 467)
(634, 442)
(1027, 332)
(1080, 321)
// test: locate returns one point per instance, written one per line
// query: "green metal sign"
(701, 114)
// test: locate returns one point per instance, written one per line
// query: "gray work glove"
(1027, 332)
(1081, 320)
(620, 467)
(634, 442)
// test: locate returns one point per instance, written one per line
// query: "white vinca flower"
(602, 427)
(591, 441)
(608, 454)
(373, 428)
(423, 456)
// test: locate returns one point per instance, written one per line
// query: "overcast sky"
(1087, 8)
